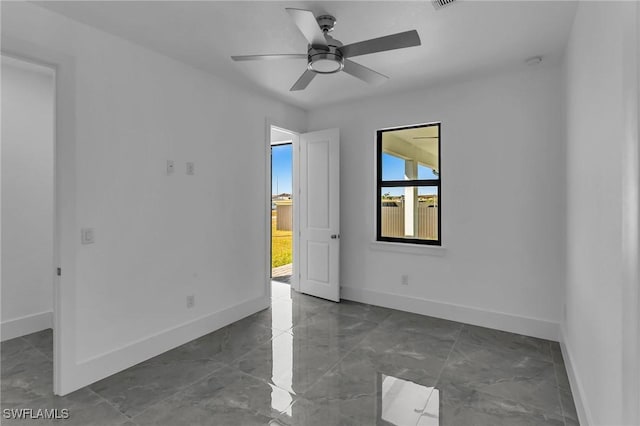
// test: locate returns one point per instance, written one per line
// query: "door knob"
(335, 236)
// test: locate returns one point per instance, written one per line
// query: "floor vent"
(439, 4)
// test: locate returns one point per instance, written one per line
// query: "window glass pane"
(427, 173)
(409, 212)
(392, 167)
(410, 154)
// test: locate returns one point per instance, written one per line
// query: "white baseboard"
(98, 367)
(584, 414)
(26, 325)
(497, 320)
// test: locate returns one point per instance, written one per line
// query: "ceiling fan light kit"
(325, 62)
(326, 55)
(326, 59)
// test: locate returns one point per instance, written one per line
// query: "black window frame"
(407, 183)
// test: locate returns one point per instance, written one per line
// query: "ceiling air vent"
(439, 4)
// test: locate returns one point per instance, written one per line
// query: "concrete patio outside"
(282, 273)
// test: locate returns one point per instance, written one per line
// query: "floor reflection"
(282, 348)
(397, 402)
(406, 403)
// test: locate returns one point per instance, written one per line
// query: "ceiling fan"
(326, 55)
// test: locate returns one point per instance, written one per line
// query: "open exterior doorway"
(282, 199)
(309, 205)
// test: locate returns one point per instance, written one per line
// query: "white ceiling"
(459, 40)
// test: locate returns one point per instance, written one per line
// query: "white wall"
(27, 197)
(158, 238)
(502, 202)
(601, 77)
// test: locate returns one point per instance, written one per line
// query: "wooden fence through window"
(393, 221)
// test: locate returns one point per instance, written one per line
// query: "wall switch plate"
(87, 236)
(191, 168)
(404, 280)
(170, 166)
(191, 301)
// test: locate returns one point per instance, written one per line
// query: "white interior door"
(320, 214)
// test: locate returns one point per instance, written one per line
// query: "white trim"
(295, 193)
(26, 325)
(98, 367)
(408, 248)
(533, 327)
(577, 390)
(268, 123)
(631, 221)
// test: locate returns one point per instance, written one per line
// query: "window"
(409, 179)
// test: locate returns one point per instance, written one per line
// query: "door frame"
(295, 194)
(631, 224)
(64, 360)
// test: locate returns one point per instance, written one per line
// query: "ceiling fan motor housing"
(326, 59)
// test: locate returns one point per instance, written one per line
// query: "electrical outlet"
(170, 165)
(191, 301)
(191, 168)
(404, 280)
(87, 236)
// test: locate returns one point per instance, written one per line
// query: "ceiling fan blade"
(303, 81)
(363, 73)
(308, 26)
(381, 44)
(267, 57)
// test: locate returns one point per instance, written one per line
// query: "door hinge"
(59, 272)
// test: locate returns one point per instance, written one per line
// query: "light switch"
(87, 236)
(191, 168)
(170, 165)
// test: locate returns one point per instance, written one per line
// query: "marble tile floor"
(305, 361)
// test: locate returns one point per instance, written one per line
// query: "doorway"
(28, 203)
(282, 199)
(314, 200)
